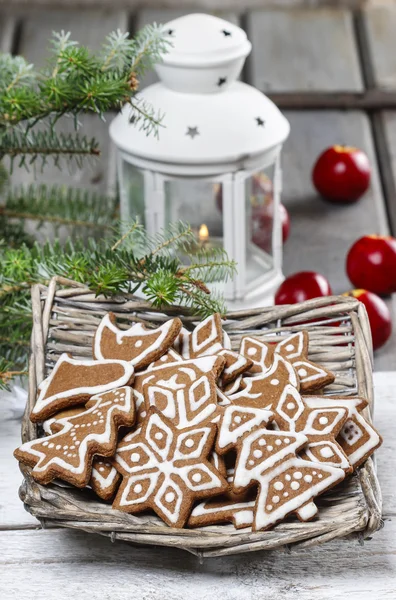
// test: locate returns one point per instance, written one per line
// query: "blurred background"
(329, 66)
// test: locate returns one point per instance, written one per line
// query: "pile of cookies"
(175, 422)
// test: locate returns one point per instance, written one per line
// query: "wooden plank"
(331, 229)
(303, 50)
(322, 233)
(385, 124)
(380, 25)
(65, 562)
(12, 514)
(90, 28)
(162, 16)
(7, 32)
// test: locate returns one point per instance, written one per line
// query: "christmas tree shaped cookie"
(286, 483)
(68, 454)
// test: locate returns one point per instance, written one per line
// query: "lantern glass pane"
(199, 203)
(133, 188)
(259, 223)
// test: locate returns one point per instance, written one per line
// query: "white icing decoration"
(278, 485)
(43, 402)
(228, 436)
(326, 452)
(274, 382)
(308, 511)
(294, 485)
(68, 424)
(174, 461)
(251, 351)
(136, 331)
(356, 453)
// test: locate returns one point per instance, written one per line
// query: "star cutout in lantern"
(170, 32)
(222, 81)
(192, 132)
(226, 33)
(260, 122)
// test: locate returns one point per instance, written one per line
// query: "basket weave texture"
(65, 317)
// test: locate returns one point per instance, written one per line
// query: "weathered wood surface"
(303, 50)
(380, 25)
(322, 233)
(66, 563)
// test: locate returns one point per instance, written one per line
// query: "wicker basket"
(65, 317)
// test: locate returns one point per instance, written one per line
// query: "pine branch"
(78, 81)
(39, 144)
(73, 207)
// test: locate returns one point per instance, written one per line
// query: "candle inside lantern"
(203, 233)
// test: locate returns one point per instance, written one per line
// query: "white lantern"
(216, 162)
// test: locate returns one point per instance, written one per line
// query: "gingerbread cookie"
(287, 484)
(184, 391)
(137, 345)
(68, 454)
(75, 381)
(104, 477)
(236, 422)
(294, 348)
(262, 391)
(171, 356)
(357, 437)
(321, 425)
(213, 512)
(167, 469)
(209, 338)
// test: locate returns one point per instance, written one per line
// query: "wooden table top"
(334, 73)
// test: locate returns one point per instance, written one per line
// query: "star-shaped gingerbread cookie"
(167, 469)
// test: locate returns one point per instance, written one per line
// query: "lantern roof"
(209, 116)
(200, 39)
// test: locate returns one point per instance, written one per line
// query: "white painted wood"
(71, 564)
(303, 50)
(380, 22)
(12, 512)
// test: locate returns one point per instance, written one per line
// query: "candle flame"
(203, 233)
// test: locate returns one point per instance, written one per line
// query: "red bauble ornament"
(378, 314)
(342, 174)
(371, 264)
(302, 286)
(262, 222)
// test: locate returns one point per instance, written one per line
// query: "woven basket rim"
(358, 508)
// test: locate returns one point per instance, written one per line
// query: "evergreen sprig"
(109, 266)
(75, 208)
(75, 81)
